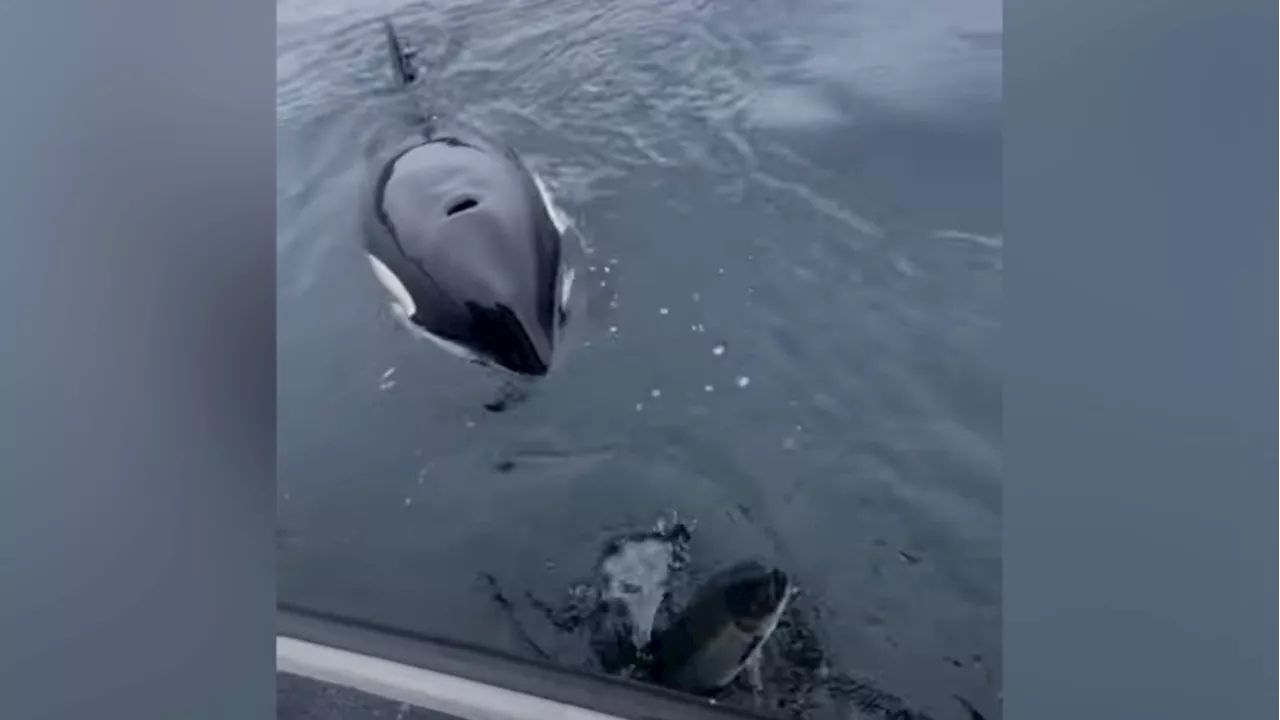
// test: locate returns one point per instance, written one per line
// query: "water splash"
(637, 575)
(995, 242)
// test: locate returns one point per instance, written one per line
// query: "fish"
(721, 631)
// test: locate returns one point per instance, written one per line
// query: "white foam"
(904, 266)
(996, 242)
(792, 107)
(566, 286)
(637, 575)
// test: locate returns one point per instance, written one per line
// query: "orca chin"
(496, 337)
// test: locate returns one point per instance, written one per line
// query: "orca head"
(463, 242)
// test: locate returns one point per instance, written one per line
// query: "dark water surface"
(811, 187)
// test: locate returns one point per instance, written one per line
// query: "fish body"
(720, 632)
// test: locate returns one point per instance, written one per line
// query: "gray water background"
(812, 186)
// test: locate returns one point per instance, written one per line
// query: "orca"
(464, 238)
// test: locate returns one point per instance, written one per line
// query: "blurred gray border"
(137, 287)
(137, 291)
(1140, 207)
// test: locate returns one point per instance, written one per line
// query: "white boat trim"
(457, 679)
(465, 699)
